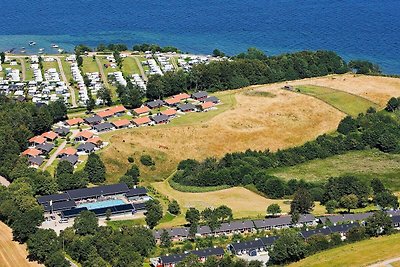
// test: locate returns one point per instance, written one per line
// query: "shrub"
(146, 160)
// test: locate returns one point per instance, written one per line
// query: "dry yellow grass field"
(243, 202)
(375, 89)
(12, 254)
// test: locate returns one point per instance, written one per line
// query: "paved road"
(386, 263)
(4, 181)
(59, 148)
(141, 69)
(71, 90)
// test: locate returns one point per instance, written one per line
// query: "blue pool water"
(102, 204)
(353, 28)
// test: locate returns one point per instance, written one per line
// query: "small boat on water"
(54, 46)
(60, 50)
(23, 51)
(41, 49)
(32, 43)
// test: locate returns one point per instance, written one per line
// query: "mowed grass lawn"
(89, 65)
(361, 253)
(365, 164)
(129, 66)
(343, 101)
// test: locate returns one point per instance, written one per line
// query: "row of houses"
(260, 245)
(39, 147)
(248, 226)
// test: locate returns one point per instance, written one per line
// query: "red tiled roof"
(68, 151)
(74, 121)
(141, 110)
(118, 109)
(106, 113)
(37, 139)
(141, 120)
(32, 152)
(85, 134)
(120, 123)
(172, 101)
(50, 135)
(181, 96)
(94, 140)
(206, 105)
(169, 112)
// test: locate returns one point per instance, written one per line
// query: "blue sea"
(356, 29)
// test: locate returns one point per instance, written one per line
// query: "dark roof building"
(343, 228)
(93, 192)
(155, 103)
(136, 192)
(268, 241)
(309, 233)
(174, 233)
(346, 217)
(73, 159)
(106, 126)
(160, 118)
(59, 206)
(54, 198)
(45, 147)
(186, 107)
(63, 131)
(86, 147)
(235, 226)
(37, 161)
(199, 95)
(96, 119)
(213, 99)
(245, 247)
(140, 206)
(284, 221)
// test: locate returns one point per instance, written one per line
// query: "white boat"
(41, 49)
(54, 46)
(60, 50)
(32, 43)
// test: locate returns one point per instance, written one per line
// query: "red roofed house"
(169, 112)
(118, 110)
(141, 121)
(67, 152)
(172, 101)
(32, 152)
(50, 136)
(95, 140)
(83, 136)
(37, 140)
(106, 113)
(141, 111)
(206, 106)
(74, 121)
(121, 123)
(181, 96)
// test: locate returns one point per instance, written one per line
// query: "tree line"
(371, 130)
(250, 68)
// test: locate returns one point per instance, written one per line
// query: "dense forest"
(250, 68)
(371, 130)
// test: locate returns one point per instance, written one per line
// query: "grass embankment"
(357, 254)
(28, 70)
(364, 164)
(346, 102)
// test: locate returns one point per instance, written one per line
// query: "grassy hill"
(357, 254)
(365, 164)
(346, 102)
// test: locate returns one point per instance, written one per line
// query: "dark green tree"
(2, 57)
(95, 169)
(288, 248)
(331, 205)
(274, 209)
(42, 244)
(64, 167)
(347, 125)
(105, 95)
(192, 216)
(378, 224)
(57, 259)
(302, 202)
(165, 239)
(86, 223)
(349, 202)
(154, 213)
(386, 200)
(173, 207)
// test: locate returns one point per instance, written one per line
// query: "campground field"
(361, 253)
(11, 253)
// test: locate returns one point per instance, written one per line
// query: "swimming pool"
(102, 204)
